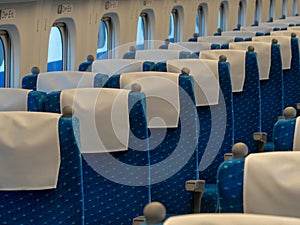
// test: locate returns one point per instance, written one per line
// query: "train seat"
(45, 185)
(246, 93)
(194, 47)
(173, 150)
(55, 81)
(276, 190)
(114, 161)
(86, 66)
(271, 90)
(157, 55)
(219, 39)
(17, 99)
(242, 33)
(231, 219)
(116, 66)
(291, 77)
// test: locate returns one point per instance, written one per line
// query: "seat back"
(158, 55)
(173, 151)
(62, 202)
(16, 99)
(116, 66)
(55, 81)
(231, 219)
(112, 178)
(276, 190)
(283, 135)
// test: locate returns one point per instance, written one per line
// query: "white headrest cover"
(237, 60)
(206, 78)
(29, 150)
(271, 184)
(117, 66)
(263, 50)
(162, 96)
(13, 99)
(103, 117)
(157, 55)
(56, 81)
(230, 219)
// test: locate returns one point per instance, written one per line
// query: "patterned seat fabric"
(272, 93)
(230, 185)
(210, 156)
(246, 105)
(283, 135)
(116, 186)
(62, 205)
(291, 78)
(173, 159)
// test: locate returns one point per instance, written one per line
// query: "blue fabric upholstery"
(36, 101)
(29, 81)
(129, 55)
(110, 202)
(176, 145)
(62, 205)
(272, 93)
(291, 78)
(284, 135)
(210, 160)
(230, 180)
(85, 66)
(52, 102)
(246, 105)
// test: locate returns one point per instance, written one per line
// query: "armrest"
(138, 220)
(228, 156)
(261, 138)
(197, 187)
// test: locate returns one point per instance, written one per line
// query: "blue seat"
(173, 157)
(16, 99)
(60, 205)
(115, 180)
(85, 66)
(283, 134)
(64, 80)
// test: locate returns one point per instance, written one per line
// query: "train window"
(241, 13)
(172, 28)
(55, 50)
(140, 35)
(272, 8)
(4, 59)
(295, 7)
(102, 41)
(257, 10)
(283, 10)
(223, 16)
(144, 30)
(201, 20)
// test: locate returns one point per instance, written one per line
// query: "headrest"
(216, 39)
(103, 117)
(271, 184)
(60, 80)
(294, 28)
(230, 219)
(206, 78)
(263, 50)
(296, 145)
(30, 151)
(262, 29)
(285, 48)
(190, 46)
(157, 55)
(237, 60)
(13, 99)
(117, 66)
(162, 96)
(275, 24)
(240, 33)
